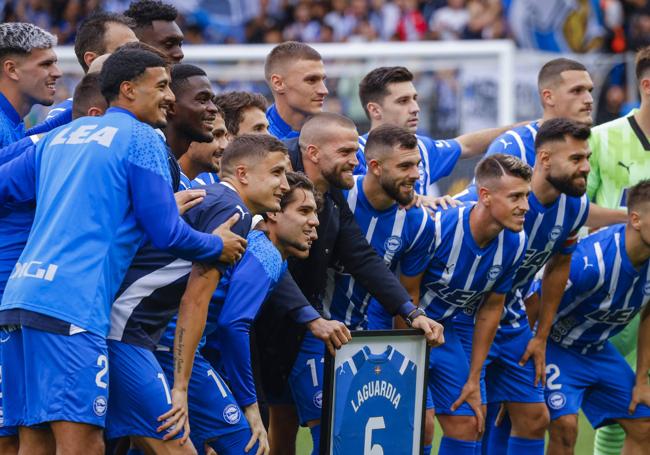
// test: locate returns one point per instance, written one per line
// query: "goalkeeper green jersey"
(620, 159)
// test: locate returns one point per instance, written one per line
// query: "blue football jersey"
(460, 273)
(603, 294)
(438, 160)
(277, 126)
(203, 179)
(519, 142)
(59, 115)
(155, 281)
(234, 305)
(375, 403)
(401, 237)
(83, 239)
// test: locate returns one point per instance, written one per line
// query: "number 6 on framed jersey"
(375, 394)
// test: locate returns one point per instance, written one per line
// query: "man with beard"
(326, 152)
(609, 285)
(515, 368)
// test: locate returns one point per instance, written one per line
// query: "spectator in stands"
(304, 28)
(411, 26)
(449, 22)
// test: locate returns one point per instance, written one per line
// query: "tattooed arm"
(192, 314)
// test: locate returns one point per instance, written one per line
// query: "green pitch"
(585, 445)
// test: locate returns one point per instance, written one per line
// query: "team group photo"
(346, 227)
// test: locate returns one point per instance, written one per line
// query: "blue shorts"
(4, 430)
(378, 317)
(306, 379)
(49, 376)
(140, 392)
(600, 383)
(448, 373)
(213, 410)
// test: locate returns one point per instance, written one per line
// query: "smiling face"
(398, 173)
(295, 226)
(400, 107)
(567, 165)
(194, 112)
(151, 96)
(337, 156)
(303, 86)
(36, 74)
(507, 201)
(207, 155)
(266, 182)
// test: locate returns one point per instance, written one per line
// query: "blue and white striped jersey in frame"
(438, 160)
(603, 294)
(550, 229)
(460, 272)
(401, 237)
(375, 391)
(519, 142)
(155, 281)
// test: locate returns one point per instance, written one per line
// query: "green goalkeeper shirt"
(620, 159)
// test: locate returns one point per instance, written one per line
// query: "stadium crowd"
(616, 25)
(175, 263)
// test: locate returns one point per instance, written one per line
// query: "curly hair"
(144, 12)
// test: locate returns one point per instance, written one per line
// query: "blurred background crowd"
(554, 25)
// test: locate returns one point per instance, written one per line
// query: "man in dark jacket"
(326, 153)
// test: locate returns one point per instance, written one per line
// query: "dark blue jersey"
(604, 292)
(375, 403)
(277, 126)
(155, 281)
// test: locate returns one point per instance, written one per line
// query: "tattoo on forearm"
(179, 349)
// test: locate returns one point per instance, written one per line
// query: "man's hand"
(176, 419)
(187, 199)
(433, 203)
(471, 394)
(334, 333)
(233, 245)
(433, 331)
(537, 349)
(254, 419)
(640, 394)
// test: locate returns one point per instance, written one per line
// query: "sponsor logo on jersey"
(33, 269)
(393, 244)
(85, 134)
(100, 405)
(318, 399)
(556, 400)
(231, 414)
(555, 233)
(494, 272)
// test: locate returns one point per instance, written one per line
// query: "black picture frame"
(365, 336)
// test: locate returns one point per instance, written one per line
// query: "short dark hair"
(144, 12)
(551, 71)
(385, 137)
(638, 194)
(249, 146)
(642, 62)
(373, 88)
(125, 65)
(288, 51)
(235, 103)
(497, 165)
(299, 181)
(181, 72)
(87, 94)
(557, 129)
(92, 31)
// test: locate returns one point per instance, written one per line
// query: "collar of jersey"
(539, 207)
(283, 128)
(377, 358)
(469, 238)
(364, 199)
(122, 110)
(9, 110)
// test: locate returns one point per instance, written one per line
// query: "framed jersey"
(375, 394)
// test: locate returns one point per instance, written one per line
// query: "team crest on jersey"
(494, 272)
(100, 405)
(555, 233)
(646, 289)
(231, 414)
(393, 244)
(556, 400)
(318, 399)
